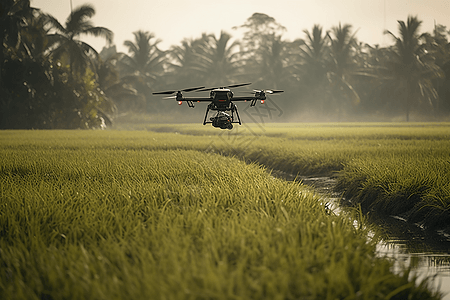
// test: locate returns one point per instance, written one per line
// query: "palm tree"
(271, 63)
(146, 58)
(342, 64)
(312, 65)
(144, 67)
(412, 67)
(65, 40)
(367, 78)
(25, 74)
(13, 18)
(110, 82)
(217, 60)
(439, 46)
(183, 61)
(34, 42)
(315, 51)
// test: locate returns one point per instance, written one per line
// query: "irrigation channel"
(406, 244)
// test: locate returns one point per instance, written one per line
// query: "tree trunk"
(409, 94)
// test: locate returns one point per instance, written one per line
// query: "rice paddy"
(164, 215)
(388, 168)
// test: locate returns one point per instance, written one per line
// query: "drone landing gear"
(222, 119)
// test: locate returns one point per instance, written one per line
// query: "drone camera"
(222, 121)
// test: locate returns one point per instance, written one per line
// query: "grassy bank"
(415, 187)
(114, 215)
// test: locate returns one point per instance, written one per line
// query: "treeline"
(51, 79)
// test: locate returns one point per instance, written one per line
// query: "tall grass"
(109, 215)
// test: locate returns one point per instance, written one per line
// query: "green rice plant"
(415, 188)
(300, 149)
(395, 168)
(113, 215)
(317, 131)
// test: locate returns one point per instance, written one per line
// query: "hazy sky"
(173, 20)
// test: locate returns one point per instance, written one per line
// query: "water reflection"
(424, 264)
(427, 253)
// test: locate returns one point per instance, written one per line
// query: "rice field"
(163, 215)
(387, 168)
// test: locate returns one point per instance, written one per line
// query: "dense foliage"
(50, 78)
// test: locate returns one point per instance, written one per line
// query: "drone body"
(221, 100)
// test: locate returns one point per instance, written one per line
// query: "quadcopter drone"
(221, 101)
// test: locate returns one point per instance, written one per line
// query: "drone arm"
(195, 99)
(247, 98)
(253, 99)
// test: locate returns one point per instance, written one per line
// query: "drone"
(221, 101)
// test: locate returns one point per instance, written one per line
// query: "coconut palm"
(411, 66)
(439, 46)
(312, 64)
(218, 60)
(315, 51)
(342, 65)
(145, 57)
(183, 62)
(34, 41)
(144, 66)
(271, 65)
(65, 40)
(25, 74)
(109, 80)
(13, 18)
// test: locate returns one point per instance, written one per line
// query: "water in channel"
(406, 245)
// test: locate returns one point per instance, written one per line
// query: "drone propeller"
(268, 91)
(263, 91)
(228, 86)
(184, 90)
(238, 85)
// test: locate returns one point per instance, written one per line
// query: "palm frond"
(80, 15)
(99, 32)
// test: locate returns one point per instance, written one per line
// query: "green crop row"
(405, 150)
(388, 168)
(114, 215)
